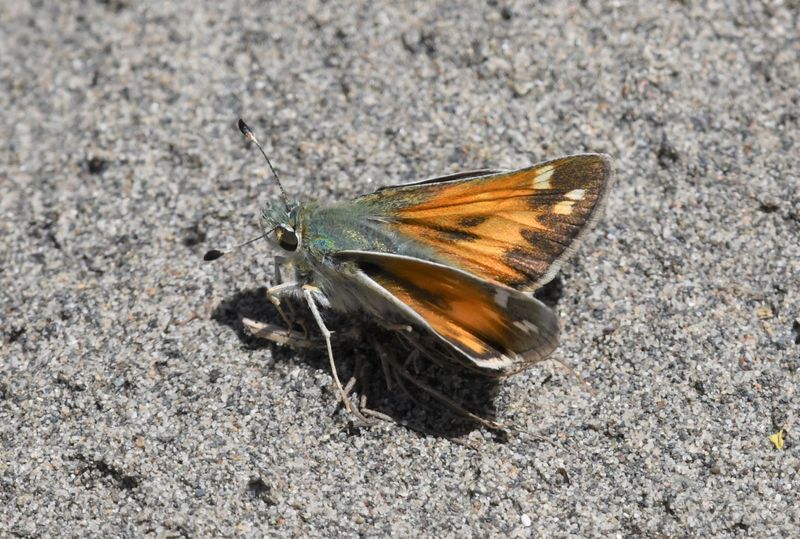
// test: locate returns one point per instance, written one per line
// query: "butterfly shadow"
(421, 394)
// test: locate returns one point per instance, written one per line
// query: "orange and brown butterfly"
(457, 257)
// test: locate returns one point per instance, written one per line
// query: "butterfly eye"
(287, 238)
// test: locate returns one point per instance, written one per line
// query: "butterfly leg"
(309, 292)
(274, 294)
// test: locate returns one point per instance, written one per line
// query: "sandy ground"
(133, 403)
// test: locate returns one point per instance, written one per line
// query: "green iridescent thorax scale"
(355, 226)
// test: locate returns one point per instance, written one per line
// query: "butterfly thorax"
(312, 235)
(329, 230)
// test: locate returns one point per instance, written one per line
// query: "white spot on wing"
(543, 176)
(527, 326)
(576, 194)
(564, 207)
(498, 363)
(501, 298)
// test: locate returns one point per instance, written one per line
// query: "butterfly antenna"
(214, 254)
(248, 133)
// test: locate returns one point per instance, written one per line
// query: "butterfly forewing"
(511, 228)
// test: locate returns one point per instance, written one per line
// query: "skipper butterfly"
(457, 257)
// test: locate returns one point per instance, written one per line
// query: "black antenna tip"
(213, 254)
(252, 138)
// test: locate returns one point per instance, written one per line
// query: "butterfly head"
(280, 224)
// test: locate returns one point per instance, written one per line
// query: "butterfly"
(456, 257)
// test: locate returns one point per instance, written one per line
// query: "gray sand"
(131, 401)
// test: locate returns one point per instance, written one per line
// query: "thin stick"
(277, 334)
(450, 403)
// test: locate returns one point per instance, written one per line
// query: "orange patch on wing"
(472, 193)
(481, 250)
(509, 227)
(504, 204)
(454, 306)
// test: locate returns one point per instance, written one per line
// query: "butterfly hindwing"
(496, 328)
(511, 228)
